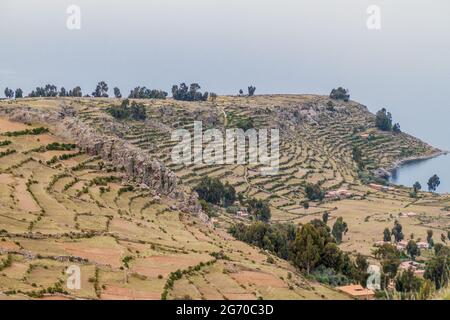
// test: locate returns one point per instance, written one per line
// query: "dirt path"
(225, 119)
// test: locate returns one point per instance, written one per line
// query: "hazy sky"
(280, 46)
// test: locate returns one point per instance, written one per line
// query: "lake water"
(422, 170)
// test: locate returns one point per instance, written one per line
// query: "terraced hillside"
(131, 239)
(60, 208)
(316, 140)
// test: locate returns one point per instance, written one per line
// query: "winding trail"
(225, 119)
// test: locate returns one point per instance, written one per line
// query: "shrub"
(5, 143)
(330, 276)
(126, 260)
(207, 208)
(214, 191)
(60, 146)
(125, 189)
(134, 111)
(34, 131)
(245, 124)
(314, 192)
(259, 209)
(7, 152)
(220, 255)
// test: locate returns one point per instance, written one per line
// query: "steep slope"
(61, 207)
(132, 236)
(317, 137)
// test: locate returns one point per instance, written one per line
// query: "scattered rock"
(381, 173)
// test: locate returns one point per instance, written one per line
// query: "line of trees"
(310, 247)
(144, 93)
(181, 92)
(313, 248)
(49, 90)
(191, 93)
(9, 93)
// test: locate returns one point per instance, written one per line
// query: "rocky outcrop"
(381, 173)
(296, 115)
(138, 164)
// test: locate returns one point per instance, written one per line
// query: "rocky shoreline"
(387, 172)
(401, 162)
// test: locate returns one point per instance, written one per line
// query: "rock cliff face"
(139, 165)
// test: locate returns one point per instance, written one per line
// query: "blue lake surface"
(422, 170)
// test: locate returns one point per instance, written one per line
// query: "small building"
(381, 243)
(357, 292)
(157, 199)
(423, 245)
(331, 194)
(365, 135)
(380, 187)
(419, 272)
(416, 267)
(242, 213)
(407, 214)
(401, 245)
(338, 194)
(375, 186)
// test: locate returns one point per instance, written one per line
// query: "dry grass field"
(63, 208)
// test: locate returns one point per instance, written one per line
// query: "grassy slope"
(46, 218)
(316, 147)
